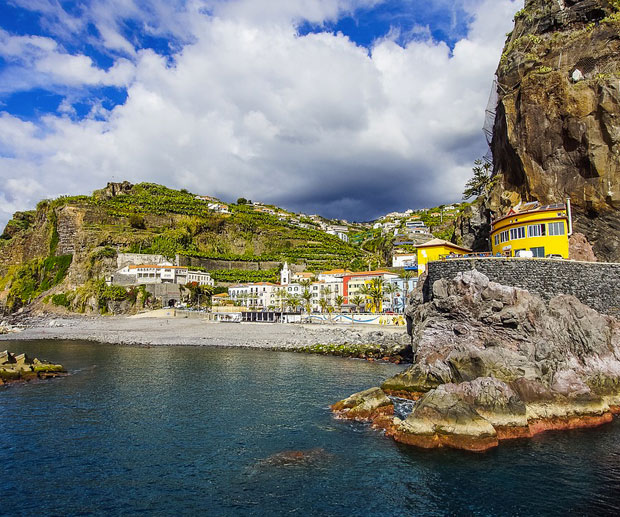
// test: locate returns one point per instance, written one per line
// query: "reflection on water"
(184, 431)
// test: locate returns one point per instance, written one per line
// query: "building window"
(497, 240)
(503, 237)
(517, 233)
(536, 230)
(556, 228)
(539, 251)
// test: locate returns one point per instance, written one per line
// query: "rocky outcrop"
(495, 362)
(556, 131)
(364, 406)
(21, 368)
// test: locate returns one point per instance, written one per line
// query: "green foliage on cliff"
(61, 300)
(20, 222)
(35, 277)
(245, 276)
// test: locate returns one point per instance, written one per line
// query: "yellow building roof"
(529, 208)
(441, 242)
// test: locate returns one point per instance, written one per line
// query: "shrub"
(61, 300)
(137, 221)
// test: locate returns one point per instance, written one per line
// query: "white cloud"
(251, 109)
(35, 61)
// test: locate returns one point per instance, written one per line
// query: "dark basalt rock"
(556, 137)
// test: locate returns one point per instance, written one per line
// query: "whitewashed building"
(164, 273)
(404, 259)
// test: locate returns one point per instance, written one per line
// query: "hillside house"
(541, 230)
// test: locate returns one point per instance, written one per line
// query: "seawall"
(595, 284)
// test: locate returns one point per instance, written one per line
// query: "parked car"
(556, 256)
(525, 254)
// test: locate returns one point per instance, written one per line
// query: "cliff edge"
(557, 122)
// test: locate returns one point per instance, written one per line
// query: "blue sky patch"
(411, 20)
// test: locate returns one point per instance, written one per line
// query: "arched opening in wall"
(172, 302)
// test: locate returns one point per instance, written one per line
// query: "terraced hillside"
(151, 218)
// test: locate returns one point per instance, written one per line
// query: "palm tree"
(294, 301)
(373, 290)
(306, 296)
(390, 289)
(406, 275)
(339, 301)
(324, 304)
(358, 301)
(281, 294)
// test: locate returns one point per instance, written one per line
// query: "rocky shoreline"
(495, 363)
(357, 341)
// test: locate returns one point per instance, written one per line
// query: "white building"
(219, 208)
(285, 275)
(404, 259)
(261, 295)
(164, 273)
(338, 231)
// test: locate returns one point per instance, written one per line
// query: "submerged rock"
(495, 362)
(303, 458)
(16, 368)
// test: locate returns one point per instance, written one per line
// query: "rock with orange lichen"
(443, 419)
(365, 405)
(495, 362)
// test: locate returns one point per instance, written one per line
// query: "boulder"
(494, 357)
(442, 418)
(20, 367)
(365, 405)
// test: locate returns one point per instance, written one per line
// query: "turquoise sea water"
(196, 431)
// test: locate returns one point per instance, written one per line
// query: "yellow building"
(437, 249)
(541, 230)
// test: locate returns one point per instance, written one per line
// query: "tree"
(324, 304)
(306, 296)
(406, 276)
(481, 181)
(198, 292)
(358, 301)
(281, 294)
(373, 290)
(339, 301)
(137, 221)
(242, 201)
(390, 289)
(294, 301)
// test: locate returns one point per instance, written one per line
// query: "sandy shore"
(199, 332)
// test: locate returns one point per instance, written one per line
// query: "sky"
(346, 108)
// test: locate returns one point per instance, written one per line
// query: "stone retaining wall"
(595, 284)
(215, 264)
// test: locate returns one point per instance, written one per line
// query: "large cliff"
(557, 123)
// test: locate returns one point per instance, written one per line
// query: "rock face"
(495, 362)
(21, 368)
(557, 124)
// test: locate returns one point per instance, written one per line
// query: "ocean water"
(197, 431)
